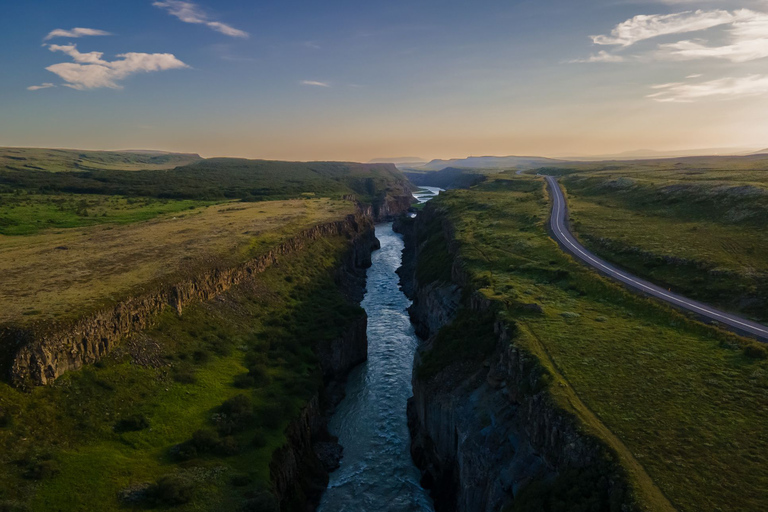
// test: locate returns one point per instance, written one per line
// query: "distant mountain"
(447, 178)
(155, 152)
(62, 160)
(399, 160)
(489, 162)
(652, 153)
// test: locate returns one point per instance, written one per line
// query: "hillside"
(218, 179)
(488, 162)
(61, 160)
(692, 225)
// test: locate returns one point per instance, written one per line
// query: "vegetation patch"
(450, 345)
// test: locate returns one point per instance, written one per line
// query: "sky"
(357, 80)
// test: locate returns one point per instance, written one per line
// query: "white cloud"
(720, 89)
(189, 12)
(747, 40)
(315, 83)
(646, 26)
(91, 71)
(76, 32)
(85, 58)
(46, 85)
(601, 56)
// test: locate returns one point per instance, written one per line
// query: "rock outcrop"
(482, 432)
(395, 202)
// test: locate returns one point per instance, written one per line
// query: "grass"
(61, 274)
(62, 160)
(679, 402)
(273, 324)
(29, 213)
(218, 179)
(702, 237)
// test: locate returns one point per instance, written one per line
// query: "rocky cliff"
(484, 431)
(397, 200)
(38, 354)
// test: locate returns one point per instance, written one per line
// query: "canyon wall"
(299, 469)
(483, 432)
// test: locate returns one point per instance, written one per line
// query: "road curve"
(559, 228)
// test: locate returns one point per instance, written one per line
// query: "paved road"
(569, 242)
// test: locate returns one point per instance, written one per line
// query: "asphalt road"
(560, 230)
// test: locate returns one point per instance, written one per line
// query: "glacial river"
(377, 473)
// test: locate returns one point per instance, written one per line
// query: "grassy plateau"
(683, 405)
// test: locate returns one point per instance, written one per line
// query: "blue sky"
(356, 80)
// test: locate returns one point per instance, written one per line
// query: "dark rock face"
(482, 432)
(434, 306)
(396, 202)
(299, 470)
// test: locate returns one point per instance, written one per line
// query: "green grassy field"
(700, 236)
(680, 403)
(63, 274)
(29, 213)
(161, 405)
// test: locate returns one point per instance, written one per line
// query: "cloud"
(189, 12)
(601, 56)
(720, 89)
(646, 26)
(747, 39)
(91, 71)
(71, 50)
(46, 85)
(76, 32)
(315, 83)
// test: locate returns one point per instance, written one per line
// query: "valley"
(213, 347)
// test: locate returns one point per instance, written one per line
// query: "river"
(377, 473)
